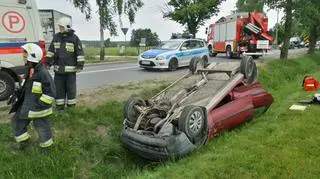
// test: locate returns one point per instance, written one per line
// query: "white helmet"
(65, 22)
(34, 52)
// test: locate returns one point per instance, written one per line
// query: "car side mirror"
(183, 48)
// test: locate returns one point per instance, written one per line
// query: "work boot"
(44, 150)
(71, 106)
(60, 108)
(21, 145)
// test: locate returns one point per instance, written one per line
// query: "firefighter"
(66, 55)
(33, 102)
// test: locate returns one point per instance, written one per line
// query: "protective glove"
(12, 99)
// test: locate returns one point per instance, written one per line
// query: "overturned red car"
(193, 109)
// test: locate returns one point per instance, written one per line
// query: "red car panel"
(230, 115)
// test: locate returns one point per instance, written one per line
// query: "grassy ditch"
(278, 144)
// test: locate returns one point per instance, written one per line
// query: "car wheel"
(194, 124)
(249, 69)
(173, 64)
(6, 85)
(211, 53)
(229, 52)
(197, 63)
(130, 112)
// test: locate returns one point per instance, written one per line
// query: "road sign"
(13, 22)
(124, 30)
(142, 42)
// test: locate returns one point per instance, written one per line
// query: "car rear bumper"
(156, 148)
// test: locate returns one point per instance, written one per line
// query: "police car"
(173, 54)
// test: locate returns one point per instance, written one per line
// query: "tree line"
(303, 15)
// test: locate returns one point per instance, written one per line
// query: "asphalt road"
(100, 75)
(107, 74)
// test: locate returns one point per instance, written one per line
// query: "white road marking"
(107, 70)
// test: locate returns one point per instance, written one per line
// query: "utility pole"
(277, 30)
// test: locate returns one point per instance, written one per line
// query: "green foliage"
(152, 39)
(288, 6)
(250, 5)
(308, 14)
(108, 11)
(84, 7)
(191, 13)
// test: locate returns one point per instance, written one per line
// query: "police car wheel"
(173, 64)
(6, 85)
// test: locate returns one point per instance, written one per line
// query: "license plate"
(145, 62)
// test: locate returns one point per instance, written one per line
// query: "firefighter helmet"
(65, 22)
(34, 52)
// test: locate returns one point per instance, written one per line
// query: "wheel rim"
(250, 68)
(199, 65)
(3, 86)
(173, 65)
(210, 51)
(196, 122)
(228, 52)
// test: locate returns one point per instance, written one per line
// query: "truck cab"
(20, 24)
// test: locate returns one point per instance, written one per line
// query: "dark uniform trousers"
(42, 126)
(66, 89)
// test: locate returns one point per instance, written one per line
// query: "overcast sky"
(149, 16)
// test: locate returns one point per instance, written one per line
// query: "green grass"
(90, 60)
(130, 54)
(277, 144)
(113, 51)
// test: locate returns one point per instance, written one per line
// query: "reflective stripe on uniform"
(50, 54)
(65, 68)
(56, 45)
(80, 59)
(37, 87)
(46, 99)
(72, 101)
(70, 68)
(69, 47)
(39, 114)
(23, 137)
(60, 101)
(47, 143)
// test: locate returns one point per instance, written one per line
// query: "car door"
(230, 115)
(185, 53)
(197, 49)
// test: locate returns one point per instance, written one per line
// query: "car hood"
(153, 53)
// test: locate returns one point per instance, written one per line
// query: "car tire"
(173, 64)
(6, 85)
(196, 63)
(211, 53)
(193, 123)
(130, 113)
(249, 69)
(229, 52)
